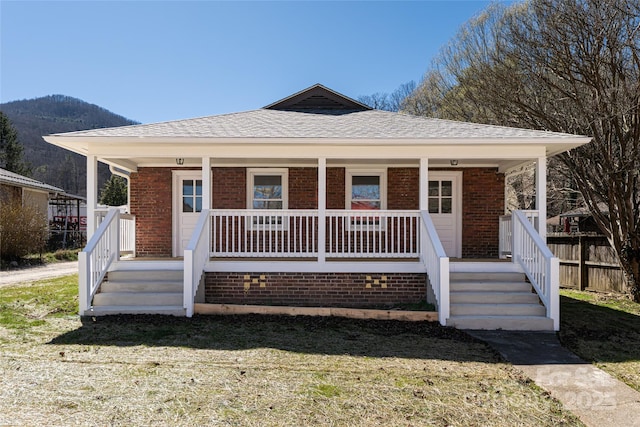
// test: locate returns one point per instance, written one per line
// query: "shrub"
(23, 229)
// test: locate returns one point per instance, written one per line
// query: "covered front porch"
(375, 248)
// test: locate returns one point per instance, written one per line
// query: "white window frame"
(349, 174)
(283, 173)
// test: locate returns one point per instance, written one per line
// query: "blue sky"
(160, 60)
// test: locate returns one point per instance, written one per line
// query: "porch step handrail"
(127, 230)
(505, 240)
(196, 255)
(95, 259)
(539, 264)
(436, 263)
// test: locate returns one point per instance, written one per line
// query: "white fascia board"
(178, 140)
(264, 151)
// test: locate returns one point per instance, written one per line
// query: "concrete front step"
(497, 310)
(172, 310)
(106, 299)
(145, 275)
(507, 297)
(508, 323)
(483, 276)
(141, 286)
(488, 286)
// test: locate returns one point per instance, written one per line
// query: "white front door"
(187, 205)
(445, 208)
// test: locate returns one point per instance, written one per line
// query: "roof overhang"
(129, 153)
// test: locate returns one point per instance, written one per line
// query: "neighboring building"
(27, 190)
(319, 200)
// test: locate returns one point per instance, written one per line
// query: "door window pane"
(191, 195)
(187, 187)
(187, 204)
(446, 189)
(446, 205)
(434, 205)
(434, 188)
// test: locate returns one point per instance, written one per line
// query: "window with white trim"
(366, 189)
(267, 189)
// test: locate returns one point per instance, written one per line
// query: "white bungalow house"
(318, 200)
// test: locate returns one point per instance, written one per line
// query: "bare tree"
(560, 65)
(395, 101)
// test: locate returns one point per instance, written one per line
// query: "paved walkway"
(40, 272)
(594, 396)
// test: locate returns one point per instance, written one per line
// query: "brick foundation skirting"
(315, 289)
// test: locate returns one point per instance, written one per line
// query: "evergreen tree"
(114, 192)
(11, 149)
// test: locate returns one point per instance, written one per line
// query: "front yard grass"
(603, 329)
(249, 370)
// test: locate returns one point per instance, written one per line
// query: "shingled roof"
(317, 112)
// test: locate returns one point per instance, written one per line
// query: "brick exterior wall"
(315, 289)
(303, 188)
(229, 188)
(403, 188)
(335, 188)
(151, 203)
(482, 201)
(482, 205)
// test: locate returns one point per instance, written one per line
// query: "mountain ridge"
(33, 118)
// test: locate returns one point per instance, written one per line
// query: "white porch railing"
(436, 263)
(294, 233)
(539, 264)
(373, 234)
(127, 231)
(264, 233)
(127, 234)
(96, 258)
(505, 242)
(196, 255)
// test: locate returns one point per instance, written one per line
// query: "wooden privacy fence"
(587, 262)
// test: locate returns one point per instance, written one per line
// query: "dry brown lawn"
(249, 371)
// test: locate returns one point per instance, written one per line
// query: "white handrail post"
(444, 308)
(195, 256)
(188, 282)
(114, 235)
(553, 285)
(84, 280)
(133, 236)
(515, 238)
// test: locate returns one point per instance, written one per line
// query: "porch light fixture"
(180, 161)
(453, 162)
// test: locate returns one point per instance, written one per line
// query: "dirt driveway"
(40, 272)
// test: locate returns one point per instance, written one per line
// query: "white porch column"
(92, 194)
(541, 196)
(322, 209)
(424, 184)
(206, 183)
